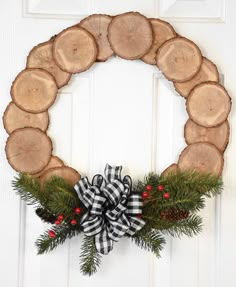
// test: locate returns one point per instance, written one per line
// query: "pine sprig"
(90, 259)
(149, 239)
(46, 244)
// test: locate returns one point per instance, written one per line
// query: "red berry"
(139, 215)
(60, 217)
(73, 222)
(148, 187)
(166, 195)
(78, 210)
(57, 222)
(51, 233)
(160, 187)
(144, 194)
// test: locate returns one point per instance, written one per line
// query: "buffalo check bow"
(112, 208)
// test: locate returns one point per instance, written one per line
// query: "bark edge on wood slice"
(53, 162)
(14, 118)
(68, 173)
(208, 72)
(203, 157)
(162, 31)
(34, 90)
(172, 169)
(41, 57)
(179, 59)
(74, 50)
(28, 150)
(97, 25)
(218, 136)
(130, 35)
(208, 104)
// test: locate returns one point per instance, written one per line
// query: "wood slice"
(204, 157)
(34, 90)
(15, 118)
(208, 104)
(28, 150)
(130, 35)
(218, 136)
(208, 72)
(179, 59)
(41, 57)
(68, 173)
(74, 50)
(172, 169)
(97, 25)
(53, 162)
(162, 31)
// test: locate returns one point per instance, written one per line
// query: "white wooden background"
(131, 98)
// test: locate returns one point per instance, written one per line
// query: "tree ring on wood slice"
(203, 157)
(130, 35)
(53, 162)
(207, 72)
(41, 57)
(218, 136)
(179, 59)
(208, 104)
(74, 50)
(68, 173)
(28, 150)
(97, 25)
(162, 31)
(172, 169)
(14, 118)
(34, 90)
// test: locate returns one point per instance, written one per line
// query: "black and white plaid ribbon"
(112, 208)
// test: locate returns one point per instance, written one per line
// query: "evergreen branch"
(149, 239)
(46, 244)
(58, 184)
(90, 258)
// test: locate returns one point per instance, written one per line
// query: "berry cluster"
(145, 194)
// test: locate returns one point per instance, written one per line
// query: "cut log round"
(179, 59)
(28, 150)
(68, 173)
(203, 157)
(34, 90)
(208, 104)
(208, 72)
(15, 118)
(53, 162)
(74, 50)
(41, 57)
(218, 136)
(172, 169)
(130, 35)
(162, 31)
(97, 25)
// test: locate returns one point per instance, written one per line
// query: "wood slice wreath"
(96, 38)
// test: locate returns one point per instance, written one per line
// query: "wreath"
(111, 206)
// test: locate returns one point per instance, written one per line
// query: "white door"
(149, 115)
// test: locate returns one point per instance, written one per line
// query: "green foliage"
(90, 259)
(149, 239)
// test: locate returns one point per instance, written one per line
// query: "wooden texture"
(74, 50)
(218, 136)
(68, 173)
(208, 104)
(53, 162)
(204, 157)
(130, 35)
(28, 150)
(179, 59)
(41, 57)
(162, 32)
(15, 118)
(173, 168)
(34, 90)
(208, 72)
(97, 25)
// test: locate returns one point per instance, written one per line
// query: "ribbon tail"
(136, 224)
(103, 243)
